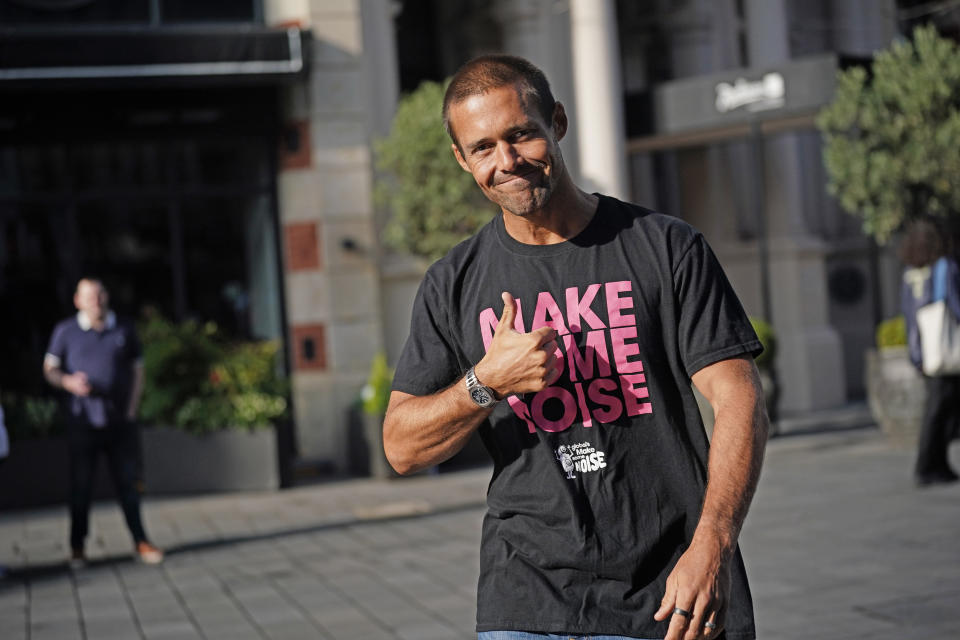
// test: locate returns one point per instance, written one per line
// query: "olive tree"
(433, 203)
(892, 135)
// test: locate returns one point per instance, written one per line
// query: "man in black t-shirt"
(567, 332)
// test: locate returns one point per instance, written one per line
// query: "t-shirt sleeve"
(712, 324)
(428, 362)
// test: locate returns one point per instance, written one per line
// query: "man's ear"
(559, 120)
(459, 157)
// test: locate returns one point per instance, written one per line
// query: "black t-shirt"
(598, 480)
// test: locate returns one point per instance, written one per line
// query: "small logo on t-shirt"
(581, 457)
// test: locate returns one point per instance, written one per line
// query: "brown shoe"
(148, 554)
(77, 559)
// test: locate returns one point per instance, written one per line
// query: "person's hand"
(699, 586)
(76, 383)
(519, 362)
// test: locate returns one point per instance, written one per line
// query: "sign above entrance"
(740, 96)
(760, 95)
(258, 54)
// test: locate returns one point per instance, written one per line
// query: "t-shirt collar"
(544, 250)
(85, 323)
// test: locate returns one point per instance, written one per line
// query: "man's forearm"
(54, 376)
(736, 456)
(136, 391)
(422, 431)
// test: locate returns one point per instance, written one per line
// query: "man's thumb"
(509, 314)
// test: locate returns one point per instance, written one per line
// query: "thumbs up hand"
(519, 362)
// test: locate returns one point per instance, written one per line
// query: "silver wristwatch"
(481, 394)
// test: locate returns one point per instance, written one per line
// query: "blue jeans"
(524, 635)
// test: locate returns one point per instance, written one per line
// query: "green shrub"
(768, 339)
(892, 133)
(892, 332)
(198, 381)
(433, 203)
(27, 416)
(376, 393)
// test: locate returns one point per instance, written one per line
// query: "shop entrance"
(169, 197)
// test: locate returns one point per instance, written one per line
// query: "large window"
(167, 197)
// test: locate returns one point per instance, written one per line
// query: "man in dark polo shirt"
(97, 361)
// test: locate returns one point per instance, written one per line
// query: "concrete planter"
(896, 393)
(228, 460)
(38, 470)
(37, 473)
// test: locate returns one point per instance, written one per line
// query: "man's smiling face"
(512, 153)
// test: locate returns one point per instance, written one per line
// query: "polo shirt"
(107, 357)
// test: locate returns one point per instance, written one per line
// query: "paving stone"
(233, 634)
(55, 630)
(294, 630)
(169, 629)
(117, 629)
(425, 631)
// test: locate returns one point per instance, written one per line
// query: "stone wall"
(333, 300)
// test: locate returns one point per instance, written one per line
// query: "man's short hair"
(489, 72)
(92, 280)
(923, 243)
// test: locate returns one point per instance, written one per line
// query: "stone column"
(597, 77)
(539, 30)
(810, 363)
(380, 61)
(862, 27)
(326, 211)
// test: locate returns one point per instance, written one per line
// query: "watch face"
(480, 396)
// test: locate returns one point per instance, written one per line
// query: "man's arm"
(421, 431)
(74, 383)
(700, 582)
(136, 390)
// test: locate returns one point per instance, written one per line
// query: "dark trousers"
(120, 444)
(940, 422)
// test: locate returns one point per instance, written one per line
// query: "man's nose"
(506, 156)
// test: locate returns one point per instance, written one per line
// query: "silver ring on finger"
(710, 625)
(682, 612)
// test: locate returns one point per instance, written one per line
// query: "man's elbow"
(50, 375)
(405, 466)
(399, 456)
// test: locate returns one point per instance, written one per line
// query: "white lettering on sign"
(759, 95)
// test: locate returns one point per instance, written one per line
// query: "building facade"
(704, 109)
(210, 161)
(214, 160)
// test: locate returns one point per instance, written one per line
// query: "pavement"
(838, 544)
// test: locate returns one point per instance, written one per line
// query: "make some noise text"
(601, 382)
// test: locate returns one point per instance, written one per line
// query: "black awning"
(33, 59)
